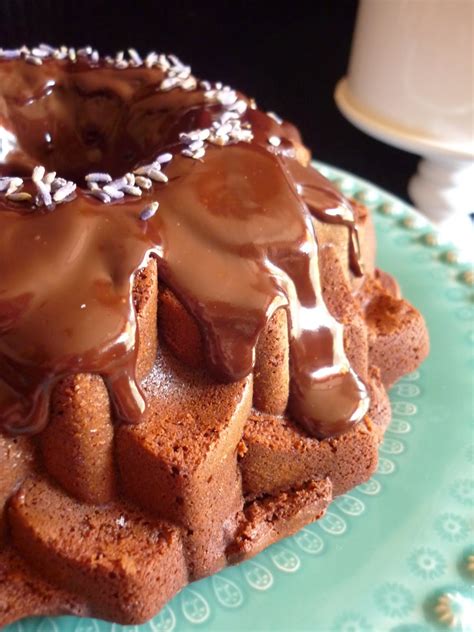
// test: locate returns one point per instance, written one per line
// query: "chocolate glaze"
(233, 238)
(328, 205)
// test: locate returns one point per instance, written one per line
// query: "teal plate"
(397, 553)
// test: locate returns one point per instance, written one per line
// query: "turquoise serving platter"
(397, 553)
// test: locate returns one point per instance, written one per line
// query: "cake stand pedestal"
(443, 187)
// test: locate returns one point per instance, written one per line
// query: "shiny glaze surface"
(233, 238)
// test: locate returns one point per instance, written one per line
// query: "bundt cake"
(195, 344)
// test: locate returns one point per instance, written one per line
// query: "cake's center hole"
(75, 134)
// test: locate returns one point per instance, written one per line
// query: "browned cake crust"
(111, 522)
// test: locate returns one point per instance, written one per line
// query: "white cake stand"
(443, 187)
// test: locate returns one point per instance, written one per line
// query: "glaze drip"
(233, 238)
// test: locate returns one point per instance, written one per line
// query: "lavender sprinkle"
(99, 177)
(114, 193)
(151, 59)
(226, 96)
(99, 194)
(21, 196)
(57, 183)
(229, 116)
(224, 129)
(10, 53)
(31, 59)
(39, 52)
(189, 84)
(199, 153)
(169, 83)
(164, 158)
(197, 144)
(129, 190)
(119, 183)
(135, 57)
(50, 177)
(44, 194)
(220, 140)
(144, 170)
(194, 154)
(175, 60)
(14, 185)
(149, 211)
(38, 173)
(143, 182)
(163, 63)
(239, 106)
(157, 176)
(85, 52)
(130, 178)
(65, 191)
(195, 135)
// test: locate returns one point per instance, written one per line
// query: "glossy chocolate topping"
(233, 238)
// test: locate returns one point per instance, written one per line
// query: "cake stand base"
(443, 189)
